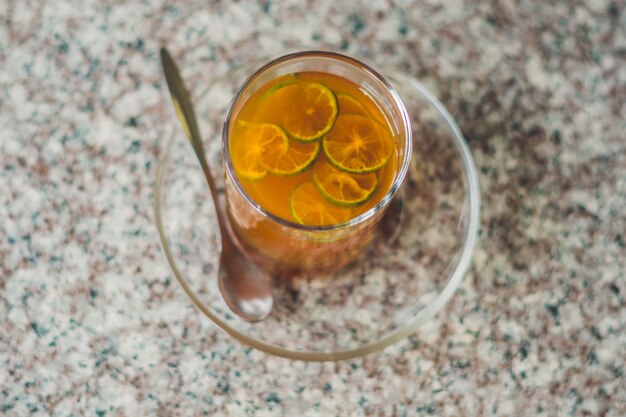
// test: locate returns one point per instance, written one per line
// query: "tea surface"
(313, 148)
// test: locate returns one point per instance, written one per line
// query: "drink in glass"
(316, 145)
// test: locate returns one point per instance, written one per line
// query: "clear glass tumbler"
(288, 248)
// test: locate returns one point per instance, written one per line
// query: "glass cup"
(288, 248)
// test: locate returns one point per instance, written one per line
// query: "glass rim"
(400, 174)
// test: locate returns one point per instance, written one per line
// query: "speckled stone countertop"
(93, 324)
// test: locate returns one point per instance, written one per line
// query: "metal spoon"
(245, 287)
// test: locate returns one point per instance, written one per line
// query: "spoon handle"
(186, 115)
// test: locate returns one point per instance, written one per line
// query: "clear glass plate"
(407, 275)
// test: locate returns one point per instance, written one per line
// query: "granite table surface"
(92, 323)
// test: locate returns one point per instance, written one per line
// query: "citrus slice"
(257, 142)
(311, 113)
(298, 158)
(290, 81)
(310, 208)
(349, 105)
(358, 144)
(341, 188)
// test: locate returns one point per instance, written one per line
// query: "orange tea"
(312, 148)
(314, 154)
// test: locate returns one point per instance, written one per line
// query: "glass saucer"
(407, 275)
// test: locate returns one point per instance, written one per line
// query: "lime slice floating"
(342, 188)
(311, 113)
(310, 208)
(358, 144)
(273, 91)
(257, 142)
(297, 159)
